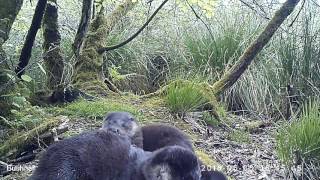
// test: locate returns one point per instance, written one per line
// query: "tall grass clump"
(184, 97)
(210, 54)
(299, 142)
(298, 57)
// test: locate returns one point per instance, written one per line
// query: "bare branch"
(109, 48)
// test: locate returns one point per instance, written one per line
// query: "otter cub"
(125, 124)
(160, 135)
(168, 163)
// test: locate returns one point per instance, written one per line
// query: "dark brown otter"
(106, 155)
(159, 135)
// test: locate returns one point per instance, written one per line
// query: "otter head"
(171, 163)
(122, 123)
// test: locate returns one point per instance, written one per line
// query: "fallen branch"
(17, 143)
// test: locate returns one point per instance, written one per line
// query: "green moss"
(210, 120)
(22, 138)
(114, 73)
(253, 126)
(94, 109)
(91, 84)
(28, 117)
(239, 136)
(70, 133)
(154, 102)
(208, 161)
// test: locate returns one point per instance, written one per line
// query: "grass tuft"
(299, 142)
(184, 97)
(210, 120)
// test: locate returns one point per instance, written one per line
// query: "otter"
(159, 135)
(168, 163)
(212, 175)
(90, 155)
(152, 137)
(125, 124)
(107, 155)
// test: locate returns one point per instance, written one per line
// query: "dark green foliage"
(299, 142)
(184, 97)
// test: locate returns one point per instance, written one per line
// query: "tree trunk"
(9, 10)
(53, 58)
(83, 26)
(28, 44)
(88, 75)
(230, 77)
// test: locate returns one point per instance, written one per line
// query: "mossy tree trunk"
(53, 58)
(230, 77)
(88, 69)
(9, 10)
(83, 26)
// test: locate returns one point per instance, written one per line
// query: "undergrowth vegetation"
(299, 142)
(210, 120)
(184, 97)
(205, 49)
(93, 109)
(289, 59)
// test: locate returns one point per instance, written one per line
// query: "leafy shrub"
(299, 142)
(27, 118)
(184, 97)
